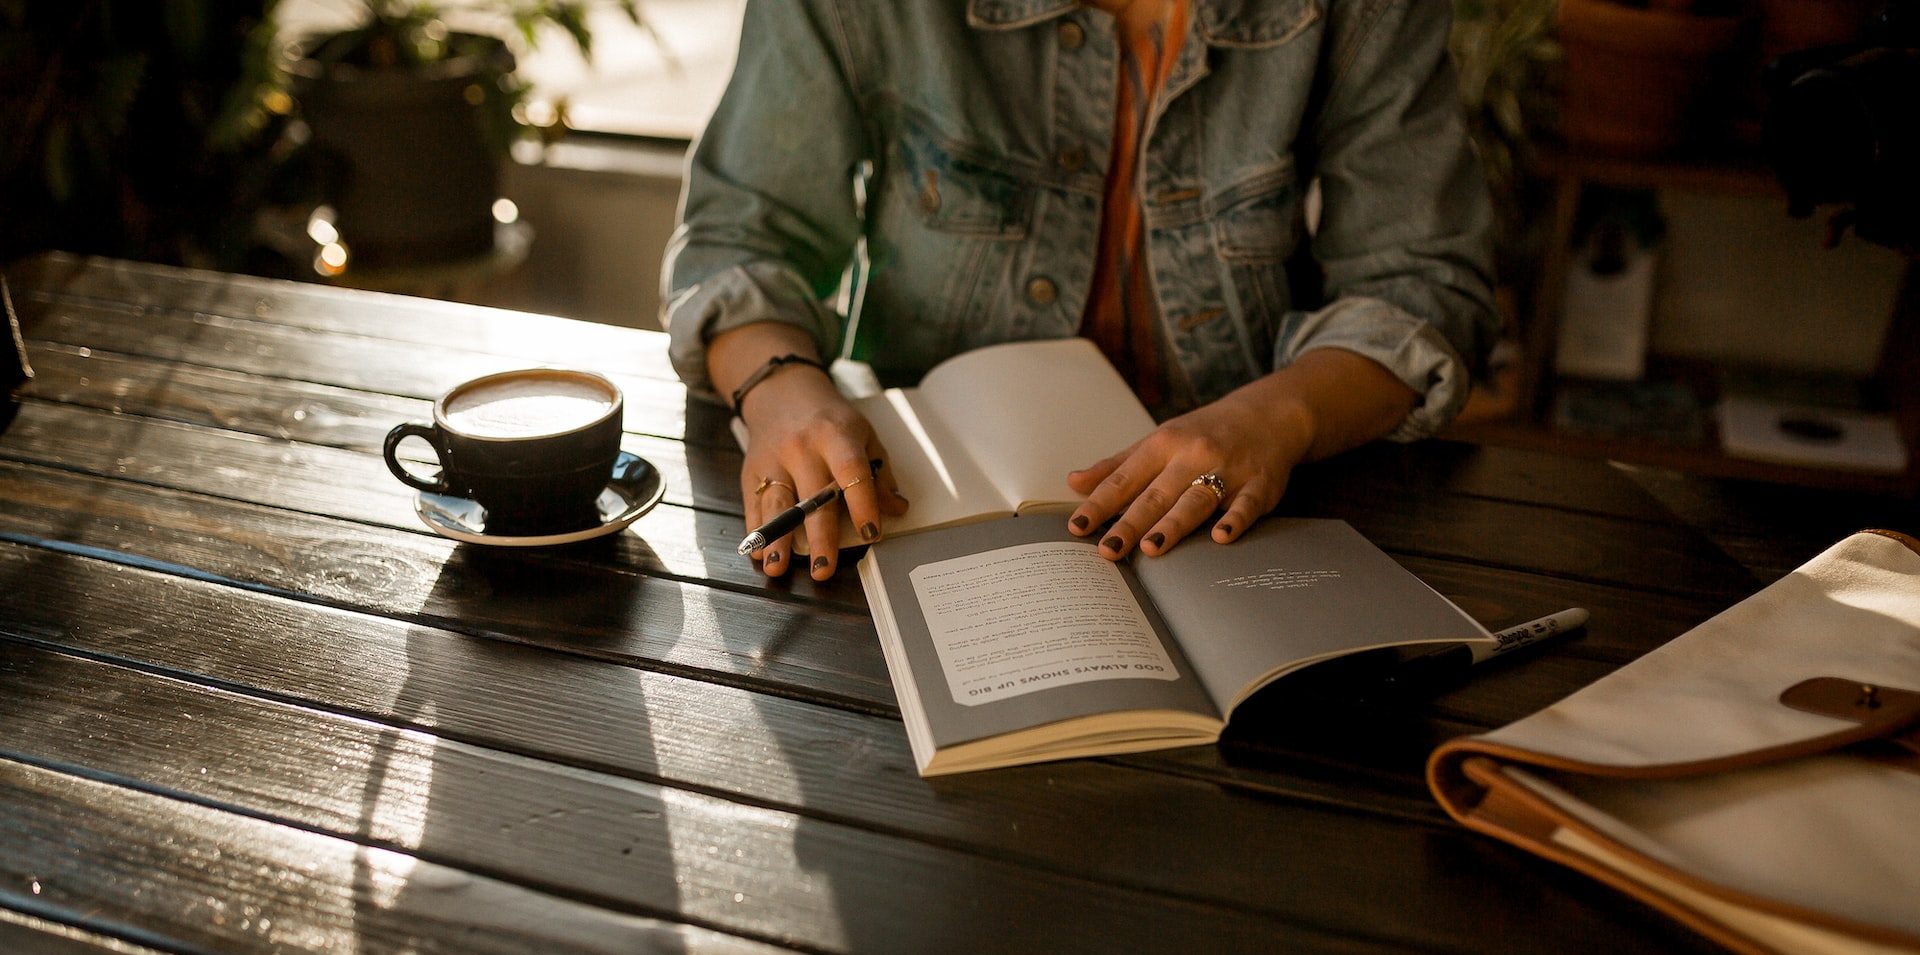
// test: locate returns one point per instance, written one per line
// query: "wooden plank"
(20, 932)
(1625, 622)
(61, 278)
(342, 361)
(1661, 558)
(591, 609)
(119, 862)
(1505, 474)
(638, 847)
(578, 601)
(1769, 528)
(309, 413)
(689, 544)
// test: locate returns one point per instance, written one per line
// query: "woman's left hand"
(1327, 401)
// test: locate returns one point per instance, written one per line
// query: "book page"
(1291, 591)
(1020, 619)
(1029, 412)
(997, 609)
(942, 483)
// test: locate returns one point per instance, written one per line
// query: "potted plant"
(1506, 56)
(1637, 68)
(413, 119)
(138, 129)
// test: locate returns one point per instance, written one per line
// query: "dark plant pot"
(415, 174)
(1635, 75)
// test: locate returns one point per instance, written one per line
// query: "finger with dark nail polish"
(1080, 522)
(819, 563)
(1113, 543)
(868, 532)
(1226, 529)
(1157, 539)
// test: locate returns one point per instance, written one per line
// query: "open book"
(1011, 641)
(993, 432)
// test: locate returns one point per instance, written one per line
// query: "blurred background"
(1705, 229)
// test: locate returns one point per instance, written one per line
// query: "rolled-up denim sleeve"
(768, 218)
(1404, 236)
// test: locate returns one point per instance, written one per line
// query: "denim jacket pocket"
(1256, 24)
(960, 190)
(1256, 227)
(944, 250)
(1257, 219)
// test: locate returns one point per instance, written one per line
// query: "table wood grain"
(249, 703)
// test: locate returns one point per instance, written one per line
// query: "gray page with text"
(1291, 589)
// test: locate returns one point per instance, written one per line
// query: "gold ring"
(767, 482)
(1214, 486)
(850, 484)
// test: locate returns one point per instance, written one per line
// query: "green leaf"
(572, 17)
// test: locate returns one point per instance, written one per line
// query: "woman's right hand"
(802, 435)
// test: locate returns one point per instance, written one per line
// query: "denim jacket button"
(1041, 291)
(1071, 36)
(1071, 158)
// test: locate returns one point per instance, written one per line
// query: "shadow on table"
(454, 798)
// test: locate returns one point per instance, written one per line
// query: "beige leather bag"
(1757, 778)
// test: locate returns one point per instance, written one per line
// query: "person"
(1135, 171)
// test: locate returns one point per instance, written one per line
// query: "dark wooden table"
(249, 703)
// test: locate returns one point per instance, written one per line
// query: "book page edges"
(1099, 734)
(906, 692)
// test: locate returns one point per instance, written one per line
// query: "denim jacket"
(963, 143)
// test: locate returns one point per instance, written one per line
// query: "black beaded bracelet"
(773, 364)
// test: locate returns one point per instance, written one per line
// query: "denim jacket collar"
(1231, 23)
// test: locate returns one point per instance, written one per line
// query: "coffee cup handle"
(411, 430)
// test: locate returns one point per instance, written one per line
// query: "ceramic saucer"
(633, 488)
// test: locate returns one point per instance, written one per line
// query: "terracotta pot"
(1635, 75)
(415, 177)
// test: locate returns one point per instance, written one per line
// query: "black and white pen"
(1531, 632)
(1439, 666)
(789, 520)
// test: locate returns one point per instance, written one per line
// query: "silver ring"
(1214, 486)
